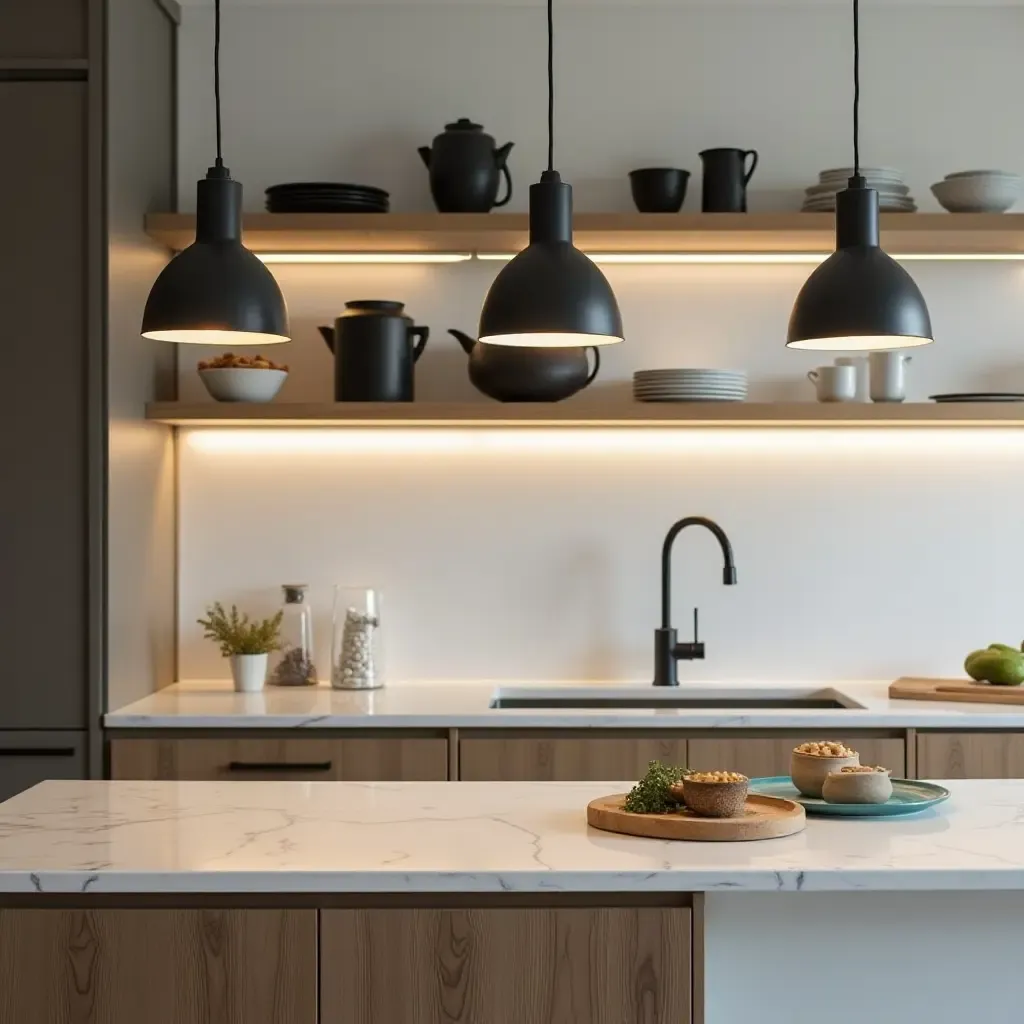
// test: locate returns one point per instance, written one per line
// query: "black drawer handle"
(279, 766)
(37, 751)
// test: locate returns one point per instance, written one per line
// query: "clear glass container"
(355, 646)
(293, 664)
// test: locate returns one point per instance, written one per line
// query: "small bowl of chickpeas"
(811, 763)
(715, 794)
(239, 378)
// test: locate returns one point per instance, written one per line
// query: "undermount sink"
(723, 697)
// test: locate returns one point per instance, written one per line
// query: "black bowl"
(659, 189)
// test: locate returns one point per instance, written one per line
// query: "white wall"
(859, 554)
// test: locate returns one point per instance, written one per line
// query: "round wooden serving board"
(766, 817)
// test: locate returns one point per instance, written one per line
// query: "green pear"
(1001, 666)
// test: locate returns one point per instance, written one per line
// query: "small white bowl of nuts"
(858, 784)
(234, 378)
(812, 762)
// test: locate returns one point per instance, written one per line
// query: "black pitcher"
(466, 169)
(725, 179)
(375, 350)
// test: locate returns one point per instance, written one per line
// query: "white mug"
(888, 376)
(835, 383)
(860, 366)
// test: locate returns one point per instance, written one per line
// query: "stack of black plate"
(326, 197)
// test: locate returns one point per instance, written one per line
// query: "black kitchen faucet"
(667, 651)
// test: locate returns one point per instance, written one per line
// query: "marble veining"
(293, 837)
(214, 705)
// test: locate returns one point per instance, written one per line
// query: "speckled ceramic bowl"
(715, 799)
(857, 787)
(809, 771)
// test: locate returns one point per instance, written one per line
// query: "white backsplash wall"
(516, 555)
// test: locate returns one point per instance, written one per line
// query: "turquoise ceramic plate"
(907, 798)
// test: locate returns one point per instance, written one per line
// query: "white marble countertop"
(318, 837)
(214, 705)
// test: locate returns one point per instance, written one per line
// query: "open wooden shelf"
(736, 233)
(579, 414)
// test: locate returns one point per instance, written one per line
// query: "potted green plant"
(245, 641)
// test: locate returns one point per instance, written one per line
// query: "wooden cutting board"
(766, 817)
(963, 690)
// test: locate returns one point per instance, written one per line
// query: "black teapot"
(465, 169)
(512, 374)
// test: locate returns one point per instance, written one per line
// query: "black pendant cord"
(856, 89)
(551, 85)
(216, 75)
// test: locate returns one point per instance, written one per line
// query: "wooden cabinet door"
(359, 759)
(540, 965)
(970, 755)
(43, 28)
(43, 536)
(581, 757)
(158, 967)
(756, 756)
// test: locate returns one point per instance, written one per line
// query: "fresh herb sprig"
(651, 795)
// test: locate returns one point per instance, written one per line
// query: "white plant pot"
(249, 671)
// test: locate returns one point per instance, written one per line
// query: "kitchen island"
(493, 902)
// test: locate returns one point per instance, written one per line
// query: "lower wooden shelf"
(584, 414)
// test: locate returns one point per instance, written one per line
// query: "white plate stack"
(893, 195)
(689, 385)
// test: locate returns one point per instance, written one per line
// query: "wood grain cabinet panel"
(304, 759)
(756, 756)
(539, 965)
(158, 966)
(583, 757)
(970, 755)
(43, 28)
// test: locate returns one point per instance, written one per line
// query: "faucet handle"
(691, 651)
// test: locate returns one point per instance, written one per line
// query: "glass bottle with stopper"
(294, 665)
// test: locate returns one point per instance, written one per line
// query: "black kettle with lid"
(466, 168)
(375, 348)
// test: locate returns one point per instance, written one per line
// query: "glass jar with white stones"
(355, 646)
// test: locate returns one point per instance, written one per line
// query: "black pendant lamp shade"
(216, 292)
(550, 295)
(859, 299)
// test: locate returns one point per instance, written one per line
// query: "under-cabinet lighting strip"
(761, 257)
(365, 257)
(636, 258)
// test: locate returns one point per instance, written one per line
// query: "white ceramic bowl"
(982, 192)
(242, 383)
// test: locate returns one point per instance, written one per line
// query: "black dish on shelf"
(325, 186)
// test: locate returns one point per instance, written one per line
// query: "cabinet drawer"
(583, 757)
(970, 755)
(760, 756)
(43, 28)
(359, 758)
(27, 758)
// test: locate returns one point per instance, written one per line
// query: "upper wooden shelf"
(737, 233)
(583, 414)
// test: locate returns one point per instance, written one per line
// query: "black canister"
(725, 179)
(375, 349)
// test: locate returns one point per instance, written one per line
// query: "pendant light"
(216, 292)
(860, 298)
(550, 295)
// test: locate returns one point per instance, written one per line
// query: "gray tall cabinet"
(53, 415)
